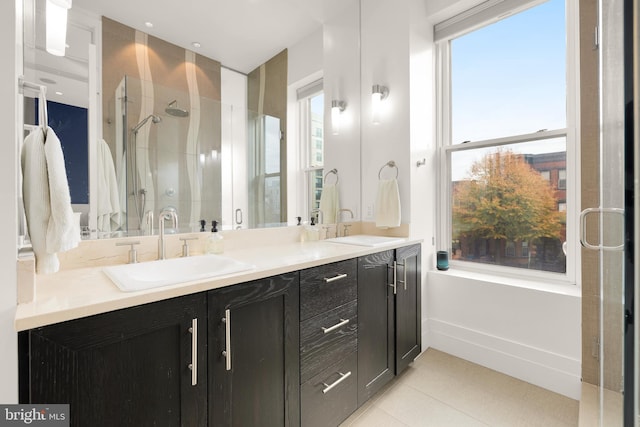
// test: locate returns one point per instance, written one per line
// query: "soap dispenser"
(312, 232)
(215, 243)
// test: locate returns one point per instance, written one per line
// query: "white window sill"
(538, 284)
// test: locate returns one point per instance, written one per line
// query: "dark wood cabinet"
(253, 353)
(129, 367)
(306, 347)
(389, 316)
(376, 332)
(408, 306)
(328, 343)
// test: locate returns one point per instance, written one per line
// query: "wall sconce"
(56, 26)
(378, 94)
(337, 107)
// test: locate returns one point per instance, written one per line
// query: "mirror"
(201, 130)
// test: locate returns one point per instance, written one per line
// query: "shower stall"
(166, 145)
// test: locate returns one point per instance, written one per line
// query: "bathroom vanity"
(306, 345)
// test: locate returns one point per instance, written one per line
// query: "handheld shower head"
(173, 110)
(154, 119)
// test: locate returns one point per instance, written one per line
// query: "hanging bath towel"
(329, 203)
(388, 212)
(108, 195)
(45, 191)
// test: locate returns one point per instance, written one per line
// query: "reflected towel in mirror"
(329, 203)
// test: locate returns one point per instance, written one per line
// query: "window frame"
(308, 168)
(464, 23)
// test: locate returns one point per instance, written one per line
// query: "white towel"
(108, 203)
(47, 202)
(388, 214)
(329, 203)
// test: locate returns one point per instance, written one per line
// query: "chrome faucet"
(338, 221)
(165, 214)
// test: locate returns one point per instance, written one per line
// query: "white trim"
(479, 16)
(497, 142)
(543, 368)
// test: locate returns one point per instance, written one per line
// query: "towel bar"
(390, 164)
(332, 171)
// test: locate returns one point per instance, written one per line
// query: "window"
(311, 105)
(503, 129)
(562, 179)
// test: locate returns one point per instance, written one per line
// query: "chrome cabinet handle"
(328, 387)
(334, 278)
(194, 352)
(336, 326)
(227, 338)
(394, 285)
(404, 273)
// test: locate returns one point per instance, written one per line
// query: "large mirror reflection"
(187, 108)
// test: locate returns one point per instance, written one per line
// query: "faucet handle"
(133, 254)
(346, 229)
(185, 245)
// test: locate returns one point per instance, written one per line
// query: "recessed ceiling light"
(196, 44)
(148, 24)
(58, 93)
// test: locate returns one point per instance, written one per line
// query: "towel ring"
(390, 164)
(332, 171)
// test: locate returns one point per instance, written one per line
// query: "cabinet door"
(124, 368)
(408, 312)
(375, 323)
(256, 381)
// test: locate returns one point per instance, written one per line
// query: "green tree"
(505, 199)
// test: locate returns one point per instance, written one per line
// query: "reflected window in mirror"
(311, 103)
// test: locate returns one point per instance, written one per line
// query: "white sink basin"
(366, 240)
(154, 274)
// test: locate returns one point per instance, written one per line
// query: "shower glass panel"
(610, 223)
(167, 148)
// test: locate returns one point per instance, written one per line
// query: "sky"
(509, 78)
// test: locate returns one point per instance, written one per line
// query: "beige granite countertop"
(79, 292)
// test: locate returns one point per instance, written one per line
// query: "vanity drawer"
(327, 338)
(324, 406)
(326, 287)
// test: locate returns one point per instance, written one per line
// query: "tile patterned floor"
(441, 390)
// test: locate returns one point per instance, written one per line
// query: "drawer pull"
(327, 387)
(336, 326)
(333, 279)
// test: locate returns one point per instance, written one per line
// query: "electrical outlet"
(369, 211)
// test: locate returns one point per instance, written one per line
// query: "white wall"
(235, 186)
(305, 57)
(341, 77)
(385, 61)
(531, 334)
(9, 45)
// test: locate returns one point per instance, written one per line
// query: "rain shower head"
(173, 110)
(154, 119)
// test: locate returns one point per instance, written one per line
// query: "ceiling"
(241, 34)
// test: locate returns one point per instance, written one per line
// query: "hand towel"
(329, 203)
(388, 213)
(47, 202)
(108, 201)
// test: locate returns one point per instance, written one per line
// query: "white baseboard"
(545, 369)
